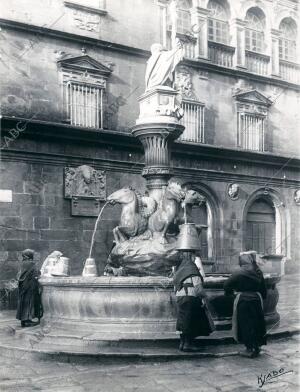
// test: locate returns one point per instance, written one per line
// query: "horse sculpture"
(165, 215)
(134, 215)
(192, 198)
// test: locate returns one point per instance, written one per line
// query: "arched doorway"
(261, 226)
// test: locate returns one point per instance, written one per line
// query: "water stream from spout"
(95, 229)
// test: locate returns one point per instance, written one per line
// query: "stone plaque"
(85, 206)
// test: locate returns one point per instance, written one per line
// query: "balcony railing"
(193, 120)
(220, 54)
(257, 63)
(289, 71)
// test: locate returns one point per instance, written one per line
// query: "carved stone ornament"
(86, 182)
(183, 83)
(297, 197)
(86, 21)
(233, 191)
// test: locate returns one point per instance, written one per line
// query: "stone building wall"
(39, 216)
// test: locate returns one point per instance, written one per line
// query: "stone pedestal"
(157, 127)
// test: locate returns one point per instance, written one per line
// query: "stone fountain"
(135, 300)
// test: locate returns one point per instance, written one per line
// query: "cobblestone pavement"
(232, 374)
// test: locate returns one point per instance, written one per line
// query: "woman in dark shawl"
(29, 301)
(248, 323)
(193, 317)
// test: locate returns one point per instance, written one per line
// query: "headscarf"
(28, 254)
(249, 267)
(186, 269)
(27, 269)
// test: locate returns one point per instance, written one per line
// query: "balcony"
(257, 63)
(289, 71)
(220, 54)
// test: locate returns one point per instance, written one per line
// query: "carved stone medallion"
(297, 197)
(233, 191)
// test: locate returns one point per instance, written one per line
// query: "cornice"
(45, 131)
(201, 64)
(59, 131)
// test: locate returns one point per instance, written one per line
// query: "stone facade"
(39, 140)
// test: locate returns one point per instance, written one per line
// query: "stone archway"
(212, 213)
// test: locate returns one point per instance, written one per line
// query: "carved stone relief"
(86, 21)
(233, 191)
(183, 83)
(297, 197)
(85, 181)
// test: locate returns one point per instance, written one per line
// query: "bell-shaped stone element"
(188, 238)
(89, 268)
(62, 267)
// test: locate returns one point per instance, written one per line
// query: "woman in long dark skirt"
(248, 323)
(193, 317)
(29, 301)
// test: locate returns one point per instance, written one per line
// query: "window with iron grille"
(251, 130)
(218, 28)
(193, 120)
(254, 32)
(83, 81)
(84, 104)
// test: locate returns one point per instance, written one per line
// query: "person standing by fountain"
(29, 300)
(248, 323)
(193, 317)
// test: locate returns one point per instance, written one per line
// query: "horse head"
(175, 192)
(122, 196)
(193, 198)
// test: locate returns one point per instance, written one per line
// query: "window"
(83, 90)
(193, 120)
(251, 131)
(252, 112)
(183, 21)
(180, 14)
(218, 29)
(287, 40)
(254, 32)
(84, 104)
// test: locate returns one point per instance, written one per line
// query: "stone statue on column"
(161, 65)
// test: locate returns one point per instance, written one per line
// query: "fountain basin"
(133, 308)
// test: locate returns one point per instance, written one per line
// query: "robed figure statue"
(161, 65)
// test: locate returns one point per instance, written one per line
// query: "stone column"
(274, 63)
(157, 127)
(199, 30)
(157, 140)
(237, 28)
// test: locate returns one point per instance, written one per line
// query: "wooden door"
(260, 230)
